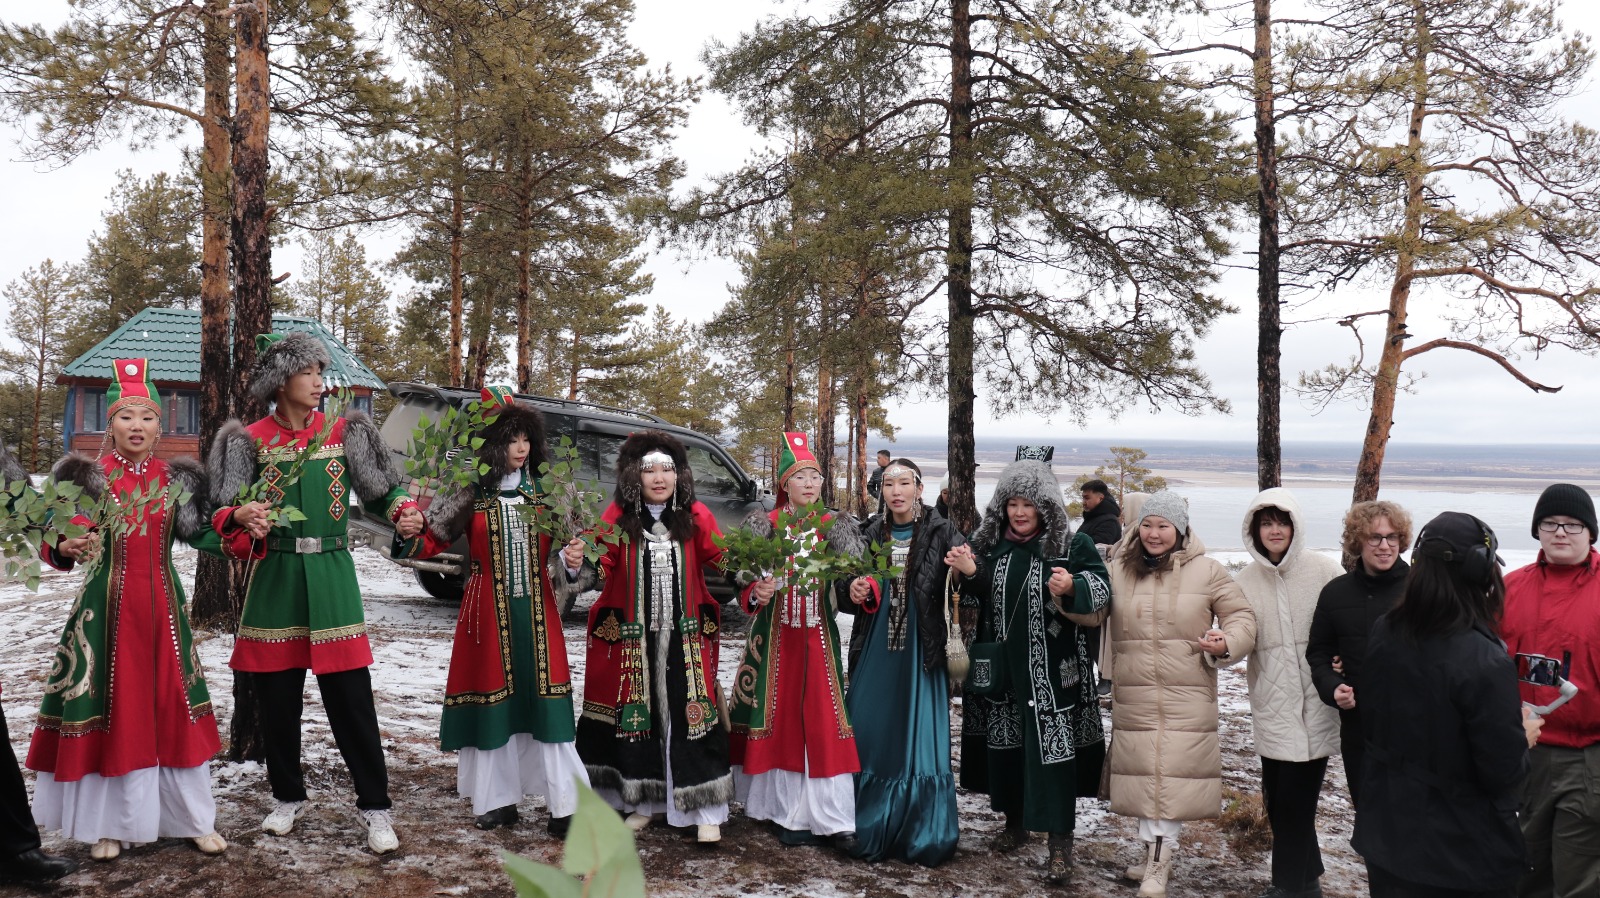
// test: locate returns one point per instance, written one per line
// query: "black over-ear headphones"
(1477, 563)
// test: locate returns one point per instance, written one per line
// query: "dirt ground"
(441, 853)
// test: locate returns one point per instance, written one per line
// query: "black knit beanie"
(1565, 499)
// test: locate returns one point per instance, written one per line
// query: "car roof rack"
(459, 395)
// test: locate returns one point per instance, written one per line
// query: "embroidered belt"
(307, 545)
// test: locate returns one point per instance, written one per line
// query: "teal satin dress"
(905, 792)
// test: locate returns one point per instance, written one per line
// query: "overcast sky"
(1465, 398)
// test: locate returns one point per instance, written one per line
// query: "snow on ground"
(442, 854)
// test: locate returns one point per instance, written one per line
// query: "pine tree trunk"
(213, 603)
(525, 278)
(825, 425)
(1386, 381)
(252, 263)
(962, 441)
(863, 501)
(1269, 335)
(457, 236)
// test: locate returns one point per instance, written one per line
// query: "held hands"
(1214, 642)
(572, 554)
(1060, 582)
(1345, 697)
(761, 592)
(253, 517)
(74, 548)
(1531, 725)
(860, 592)
(962, 559)
(410, 523)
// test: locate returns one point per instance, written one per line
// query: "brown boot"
(1157, 868)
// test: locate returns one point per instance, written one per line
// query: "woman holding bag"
(1042, 744)
(899, 700)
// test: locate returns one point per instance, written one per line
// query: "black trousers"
(17, 831)
(1352, 746)
(1290, 790)
(347, 696)
(1387, 885)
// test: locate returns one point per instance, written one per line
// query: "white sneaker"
(281, 821)
(380, 831)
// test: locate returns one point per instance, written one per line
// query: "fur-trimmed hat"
(629, 463)
(1032, 480)
(280, 357)
(511, 419)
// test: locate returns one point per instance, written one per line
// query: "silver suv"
(597, 431)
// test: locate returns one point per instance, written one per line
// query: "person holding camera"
(1553, 609)
(1446, 735)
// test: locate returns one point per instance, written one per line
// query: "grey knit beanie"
(1169, 505)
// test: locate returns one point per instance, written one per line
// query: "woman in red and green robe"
(125, 732)
(508, 696)
(792, 746)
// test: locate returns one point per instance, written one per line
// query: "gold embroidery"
(260, 634)
(337, 633)
(610, 631)
(289, 453)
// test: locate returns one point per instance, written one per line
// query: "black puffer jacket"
(935, 536)
(1101, 525)
(1346, 610)
(1445, 762)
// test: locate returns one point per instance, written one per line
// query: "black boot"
(559, 826)
(34, 866)
(498, 817)
(846, 844)
(1058, 865)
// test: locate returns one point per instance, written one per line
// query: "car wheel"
(447, 587)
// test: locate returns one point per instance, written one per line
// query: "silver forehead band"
(657, 458)
(901, 471)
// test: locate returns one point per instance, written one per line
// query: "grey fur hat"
(280, 358)
(1031, 480)
(1167, 504)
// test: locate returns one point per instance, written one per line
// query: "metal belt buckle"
(308, 545)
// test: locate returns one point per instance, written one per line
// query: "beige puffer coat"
(1290, 721)
(1166, 763)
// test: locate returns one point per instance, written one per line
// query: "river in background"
(1497, 483)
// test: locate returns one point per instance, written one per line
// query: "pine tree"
(1435, 167)
(1123, 473)
(43, 304)
(1084, 190)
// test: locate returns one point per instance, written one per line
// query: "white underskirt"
(137, 807)
(823, 806)
(713, 815)
(523, 766)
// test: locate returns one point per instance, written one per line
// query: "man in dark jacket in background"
(1100, 513)
(875, 483)
(1375, 533)
(1553, 609)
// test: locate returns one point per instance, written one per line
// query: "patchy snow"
(442, 854)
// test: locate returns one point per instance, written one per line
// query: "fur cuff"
(194, 515)
(449, 513)
(565, 591)
(10, 469)
(368, 458)
(83, 471)
(845, 536)
(231, 466)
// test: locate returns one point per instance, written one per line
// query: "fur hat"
(281, 356)
(512, 420)
(1565, 499)
(629, 457)
(1032, 480)
(1169, 505)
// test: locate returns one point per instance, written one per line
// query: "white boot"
(1136, 871)
(1157, 868)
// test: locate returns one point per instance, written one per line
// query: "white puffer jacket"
(1290, 721)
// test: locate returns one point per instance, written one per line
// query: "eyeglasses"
(1571, 528)
(1377, 539)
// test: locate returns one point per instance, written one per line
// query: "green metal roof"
(170, 339)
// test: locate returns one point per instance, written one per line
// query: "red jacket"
(1552, 609)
